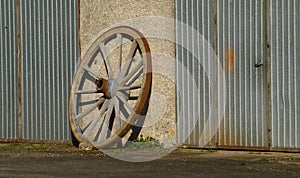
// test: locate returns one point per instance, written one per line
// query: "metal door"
(236, 30)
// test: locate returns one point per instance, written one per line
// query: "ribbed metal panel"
(236, 31)
(49, 43)
(8, 70)
(241, 46)
(285, 73)
(195, 20)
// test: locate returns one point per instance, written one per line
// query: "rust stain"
(170, 132)
(229, 57)
(215, 20)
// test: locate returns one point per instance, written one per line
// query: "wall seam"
(20, 123)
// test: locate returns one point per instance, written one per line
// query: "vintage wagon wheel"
(111, 87)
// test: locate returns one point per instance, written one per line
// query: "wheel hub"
(108, 87)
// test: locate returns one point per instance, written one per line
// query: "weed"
(199, 150)
(142, 139)
(24, 147)
(211, 151)
(148, 142)
(263, 160)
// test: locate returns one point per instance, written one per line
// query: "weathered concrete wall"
(97, 15)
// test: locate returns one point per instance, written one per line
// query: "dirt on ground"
(64, 160)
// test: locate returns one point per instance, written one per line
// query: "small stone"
(85, 146)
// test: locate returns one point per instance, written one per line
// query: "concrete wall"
(97, 15)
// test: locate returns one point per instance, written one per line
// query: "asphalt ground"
(64, 160)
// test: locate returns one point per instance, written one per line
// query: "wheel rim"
(111, 87)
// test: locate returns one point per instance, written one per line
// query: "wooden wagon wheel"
(111, 87)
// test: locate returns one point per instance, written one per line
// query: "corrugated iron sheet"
(241, 50)
(236, 30)
(195, 20)
(49, 43)
(8, 70)
(285, 73)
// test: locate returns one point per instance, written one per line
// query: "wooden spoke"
(85, 92)
(136, 76)
(124, 101)
(129, 58)
(86, 68)
(88, 102)
(90, 109)
(117, 112)
(119, 60)
(131, 87)
(105, 125)
(96, 120)
(132, 72)
(106, 61)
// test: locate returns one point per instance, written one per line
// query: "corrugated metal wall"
(285, 72)
(8, 70)
(235, 29)
(261, 112)
(49, 50)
